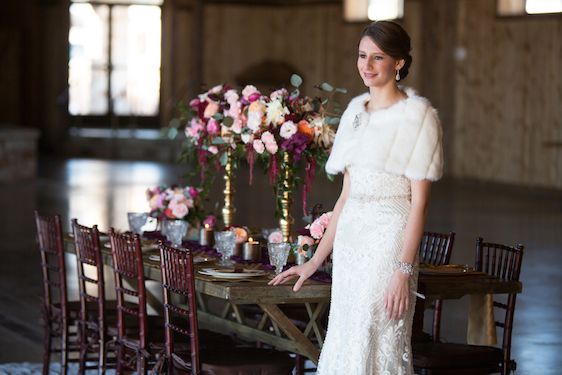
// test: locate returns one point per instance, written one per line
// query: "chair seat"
(238, 361)
(431, 355)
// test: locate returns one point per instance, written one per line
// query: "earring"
(398, 75)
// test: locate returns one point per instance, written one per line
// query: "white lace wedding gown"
(382, 151)
(361, 340)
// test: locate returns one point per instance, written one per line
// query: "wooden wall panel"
(508, 97)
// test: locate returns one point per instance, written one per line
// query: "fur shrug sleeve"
(404, 139)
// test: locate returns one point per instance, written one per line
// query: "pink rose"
(267, 137)
(194, 103)
(193, 192)
(213, 126)
(236, 126)
(324, 219)
(316, 230)
(271, 147)
(275, 237)
(231, 96)
(255, 96)
(259, 146)
(179, 210)
(213, 150)
(211, 109)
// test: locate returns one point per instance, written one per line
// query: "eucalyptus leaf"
(295, 93)
(218, 141)
(224, 159)
(175, 123)
(296, 80)
(228, 121)
(330, 177)
(172, 133)
(326, 87)
(342, 90)
(218, 116)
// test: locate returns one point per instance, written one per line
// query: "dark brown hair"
(393, 40)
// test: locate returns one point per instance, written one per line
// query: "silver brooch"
(357, 121)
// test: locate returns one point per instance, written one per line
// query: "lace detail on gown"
(369, 236)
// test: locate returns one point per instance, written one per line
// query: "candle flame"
(206, 226)
(250, 239)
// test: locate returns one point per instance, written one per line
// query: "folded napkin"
(481, 323)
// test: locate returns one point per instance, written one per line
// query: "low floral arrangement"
(175, 202)
(310, 237)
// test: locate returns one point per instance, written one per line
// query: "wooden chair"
(436, 249)
(136, 350)
(503, 262)
(92, 323)
(59, 315)
(178, 279)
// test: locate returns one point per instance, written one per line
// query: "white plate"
(196, 260)
(230, 274)
(154, 257)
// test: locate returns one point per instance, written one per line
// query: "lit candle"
(207, 236)
(252, 250)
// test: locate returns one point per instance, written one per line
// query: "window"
(114, 62)
(364, 10)
(523, 7)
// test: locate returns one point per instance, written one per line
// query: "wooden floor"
(101, 192)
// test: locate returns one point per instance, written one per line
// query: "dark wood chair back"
(128, 270)
(436, 248)
(178, 279)
(53, 267)
(503, 262)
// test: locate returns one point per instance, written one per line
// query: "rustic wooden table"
(256, 311)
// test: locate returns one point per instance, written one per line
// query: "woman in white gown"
(388, 146)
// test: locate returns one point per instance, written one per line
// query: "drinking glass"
(136, 221)
(175, 230)
(278, 253)
(225, 242)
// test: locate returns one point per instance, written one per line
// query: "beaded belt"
(376, 198)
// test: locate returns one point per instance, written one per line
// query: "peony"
(272, 147)
(275, 112)
(248, 91)
(211, 109)
(267, 137)
(236, 126)
(259, 146)
(288, 129)
(213, 126)
(213, 150)
(275, 237)
(316, 230)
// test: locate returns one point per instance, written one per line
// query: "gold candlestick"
(285, 188)
(228, 209)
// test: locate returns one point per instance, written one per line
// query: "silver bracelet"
(407, 268)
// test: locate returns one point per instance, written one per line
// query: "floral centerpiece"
(291, 133)
(310, 237)
(175, 203)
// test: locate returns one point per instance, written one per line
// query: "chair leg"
(119, 359)
(299, 364)
(83, 348)
(102, 355)
(64, 349)
(47, 348)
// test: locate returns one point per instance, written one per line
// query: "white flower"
(276, 112)
(216, 89)
(231, 96)
(249, 90)
(254, 120)
(247, 137)
(259, 146)
(288, 129)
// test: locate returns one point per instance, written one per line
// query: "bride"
(388, 147)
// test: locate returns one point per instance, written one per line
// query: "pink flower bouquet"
(312, 234)
(174, 202)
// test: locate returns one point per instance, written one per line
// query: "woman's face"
(376, 67)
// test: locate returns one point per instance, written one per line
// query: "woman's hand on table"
(397, 295)
(303, 272)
